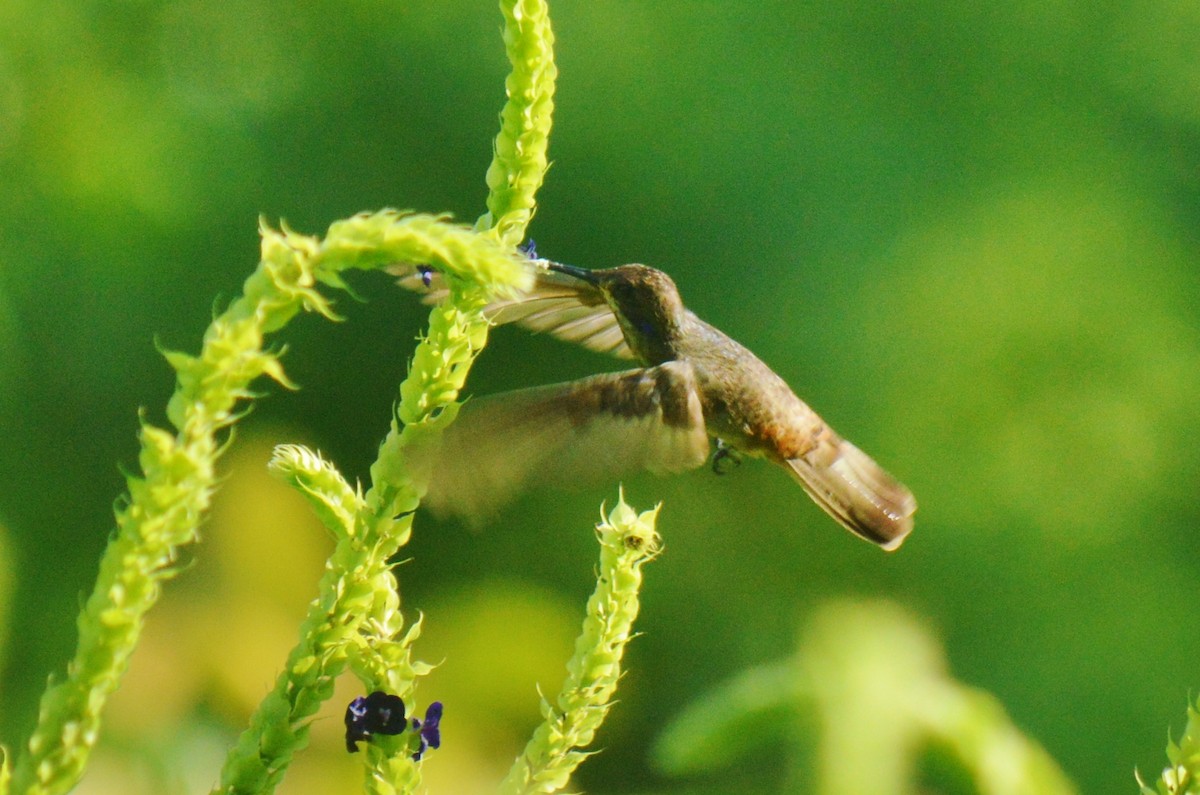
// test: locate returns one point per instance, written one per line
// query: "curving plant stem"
(519, 159)
(160, 514)
(357, 575)
(166, 503)
(627, 541)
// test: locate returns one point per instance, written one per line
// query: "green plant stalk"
(1182, 775)
(160, 514)
(166, 503)
(716, 728)
(380, 655)
(627, 540)
(878, 692)
(332, 499)
(973, 725)
(358, 571)
(882, 692)
(519, 154)
(383, 660)
(440, 364)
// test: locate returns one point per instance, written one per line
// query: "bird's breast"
(750, 407)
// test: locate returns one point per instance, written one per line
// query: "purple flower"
(430, 729)
(426, 274)
(378, 713)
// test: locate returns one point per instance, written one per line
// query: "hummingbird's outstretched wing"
(564, 434)
(856, 491)
(569, 308)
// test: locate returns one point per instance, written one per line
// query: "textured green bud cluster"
(627, 540)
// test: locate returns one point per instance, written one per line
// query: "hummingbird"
(694, 384)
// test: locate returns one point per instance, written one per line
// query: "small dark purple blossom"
(430, 729)
(378, 713)
(529, 249)
(426, 274)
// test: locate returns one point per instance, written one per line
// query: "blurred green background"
(967, 234)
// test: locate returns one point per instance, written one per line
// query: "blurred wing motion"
(561, 305)
(639, 419)
(564, 434)
(855, 490)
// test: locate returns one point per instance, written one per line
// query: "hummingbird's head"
(645, 302)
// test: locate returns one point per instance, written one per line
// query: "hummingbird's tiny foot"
(725, 459)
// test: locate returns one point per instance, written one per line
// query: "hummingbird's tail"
(857, 492)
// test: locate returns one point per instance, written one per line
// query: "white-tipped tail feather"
(857, 492)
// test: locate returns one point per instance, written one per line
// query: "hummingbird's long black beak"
(583, 274)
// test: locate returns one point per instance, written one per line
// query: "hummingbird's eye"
(621, 290)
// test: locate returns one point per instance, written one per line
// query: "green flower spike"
(519, 159)
(356, 614)
(356, 604)
(627, 540)
(166, 503)
(1182, 776)
(331, 498)
(162, 511)
(380, 654)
